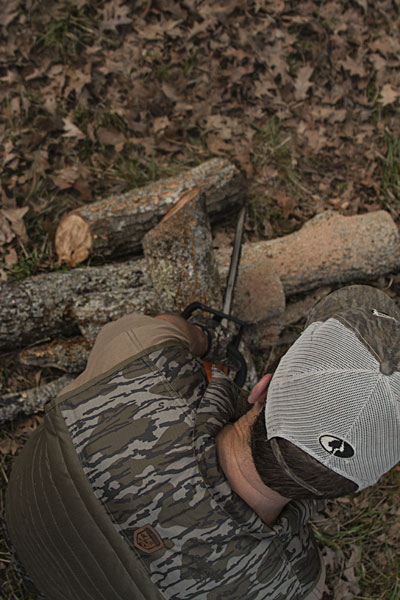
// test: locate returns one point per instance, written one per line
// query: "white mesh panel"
(328, 383)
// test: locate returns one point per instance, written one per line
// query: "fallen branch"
(54, 304)
(69, 355)
(115, 226)
(32, 400)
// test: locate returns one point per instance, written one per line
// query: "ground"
(100, 97)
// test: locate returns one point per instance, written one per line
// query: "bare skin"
(234, 454)
(233, 441)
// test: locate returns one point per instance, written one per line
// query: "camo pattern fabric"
(371, 315)
(145, 436)
(219, 338)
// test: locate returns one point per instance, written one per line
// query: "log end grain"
(116, 225)
(73, 241)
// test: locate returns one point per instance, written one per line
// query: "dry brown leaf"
(303, 83)
(363, 4)
(77, 80)
(15, 218)
(114, 14)
(66, 177)
(316, 138)
(351, 563)
(14, 214)
(5, 446)
(8, 152)
(160, 124)
(8, 11)
(217, 145)
(6, 234)
(11, 258)
(355, 67)
(388, 95)
(286, 202)
(330, 558)
(29, 424)
(111, 137)
(72, 130)
(10, 446)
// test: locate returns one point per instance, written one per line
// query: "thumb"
(259, 391)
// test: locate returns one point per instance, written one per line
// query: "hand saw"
(225, 315)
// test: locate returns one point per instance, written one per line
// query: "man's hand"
(259, 392)
(219, 338)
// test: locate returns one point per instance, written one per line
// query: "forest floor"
(101, 97)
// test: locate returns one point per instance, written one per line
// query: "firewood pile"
(164, 232)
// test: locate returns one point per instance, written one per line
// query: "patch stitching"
(147, 539)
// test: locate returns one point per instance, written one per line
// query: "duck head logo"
(336, 446)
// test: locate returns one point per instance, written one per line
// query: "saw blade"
(235, 259)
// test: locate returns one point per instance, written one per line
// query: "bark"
(54, 304)
(329, 249)
(115, 226)
(32, 400)
(180, 258)
(69, 355)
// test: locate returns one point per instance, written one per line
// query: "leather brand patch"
(147, 539)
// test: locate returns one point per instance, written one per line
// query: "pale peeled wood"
(330, 248)
(180, 258)
(116, 225)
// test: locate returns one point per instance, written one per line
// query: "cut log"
(329, 249)
(54, 304)
(69, 355)
(180, 258)
(93, 311)
(32, 400)
(115, 226)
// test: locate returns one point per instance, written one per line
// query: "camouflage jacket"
(144, 437)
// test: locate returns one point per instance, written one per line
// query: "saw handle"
(233, 348)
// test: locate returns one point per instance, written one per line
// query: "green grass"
(69, 32)
(160, 67)
(273, 145)
(130, 172)
(261, 209)
(391, 169)
(360, 523)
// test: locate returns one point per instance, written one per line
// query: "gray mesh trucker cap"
(336, 392)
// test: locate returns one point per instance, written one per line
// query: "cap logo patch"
(147, 539)
(336, 446)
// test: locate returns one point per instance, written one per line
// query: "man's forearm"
(198, 340)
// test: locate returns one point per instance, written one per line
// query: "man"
(148, 482)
